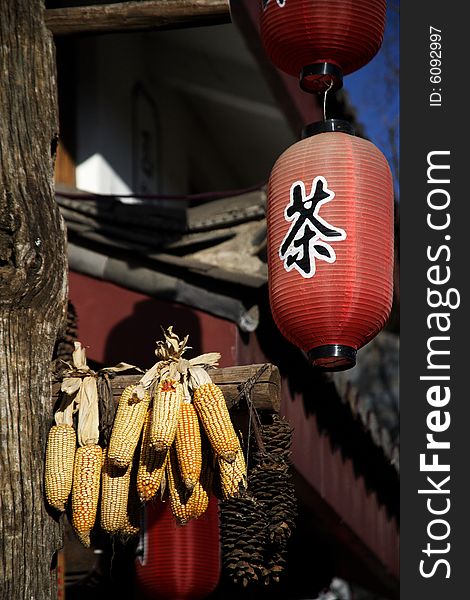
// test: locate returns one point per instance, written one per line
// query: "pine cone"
(255, 529)
(277, 437)
(276, 565)
(243, 528)
(273, 487)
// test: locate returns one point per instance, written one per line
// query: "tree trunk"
(33, 290)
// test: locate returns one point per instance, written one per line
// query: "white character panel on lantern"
(308, 236)
(280, 3)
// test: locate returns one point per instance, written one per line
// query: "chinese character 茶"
(308, 236)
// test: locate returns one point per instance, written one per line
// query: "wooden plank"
(137, 16)
(265, 393)
(64, 165)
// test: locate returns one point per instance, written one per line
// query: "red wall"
(116, 324)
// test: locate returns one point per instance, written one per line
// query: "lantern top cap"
(329, 125)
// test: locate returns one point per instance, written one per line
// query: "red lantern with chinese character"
(179, 562)
(330, 243)
(320, 40)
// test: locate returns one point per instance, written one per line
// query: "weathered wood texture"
(132, 16)
(265, 392)
(32, 296)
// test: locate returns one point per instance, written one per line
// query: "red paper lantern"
(320, 40)
(179, 562)
(330, 243)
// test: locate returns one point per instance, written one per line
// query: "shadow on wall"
(133, 339)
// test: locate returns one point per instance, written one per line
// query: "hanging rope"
(324, 99)
(245, 390)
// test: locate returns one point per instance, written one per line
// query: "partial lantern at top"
(319, 41)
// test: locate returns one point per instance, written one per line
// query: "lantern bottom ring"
(321, 77)
(333, 357)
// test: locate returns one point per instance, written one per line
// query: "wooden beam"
(137, 16)
(265, 394)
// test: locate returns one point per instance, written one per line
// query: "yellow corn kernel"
(127, 427)
(233, 476)
(212, 410)
(151, 465)
(114, 495)
(188, 445)
(188, 505)
(86, 490)
(165, 413)
(58, 472)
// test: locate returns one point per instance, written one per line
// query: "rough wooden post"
(33, 289)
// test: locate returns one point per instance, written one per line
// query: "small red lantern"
(330, 243)
(179, 562)
(320, 40)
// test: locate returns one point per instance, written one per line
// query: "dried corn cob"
(151, 465)
(178, 492)
(131, 525)
(185, 506)
(188, 445)
(114, 495)
(212, 410)
(58, 473)
(199, 499)
(86, 490)
(165, 413)
(129, 529)
(233, 476)
(127, 426)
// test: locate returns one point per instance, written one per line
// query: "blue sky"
(374, 91)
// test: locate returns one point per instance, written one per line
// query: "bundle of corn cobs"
(169, 432)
